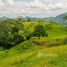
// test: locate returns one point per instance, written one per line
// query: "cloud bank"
(36, 8)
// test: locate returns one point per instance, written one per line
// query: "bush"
(58, 41)
(65, 40)
(12, 41)
(39, 31)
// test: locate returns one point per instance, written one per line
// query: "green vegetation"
(39, 31)
(27, 43)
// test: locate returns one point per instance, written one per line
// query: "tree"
(65, 18)
(9, 30)
(41, 20)
(52, 22)
(29, 20)
(39, 31)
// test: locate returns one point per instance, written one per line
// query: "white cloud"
(35, 7)
(60, 5)
(11, 2)
(1, 3)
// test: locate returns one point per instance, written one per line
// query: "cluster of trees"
(9, 32)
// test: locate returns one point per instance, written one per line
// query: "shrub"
(39, 31)
(58, 41)
(65, 40)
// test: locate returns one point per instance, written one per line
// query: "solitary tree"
(39, 31)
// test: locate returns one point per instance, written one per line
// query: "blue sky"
(34, 8)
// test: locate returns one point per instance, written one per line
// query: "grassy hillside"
(28, 54)
(29, 50)
(40, 57)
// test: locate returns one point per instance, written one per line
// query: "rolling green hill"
(50, 51)
(28, 54)
(40, 57)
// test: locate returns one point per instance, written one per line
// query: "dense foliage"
(39, 31)
(9, 36)
(10, 32)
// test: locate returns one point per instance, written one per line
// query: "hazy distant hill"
(61, 16)
(58, 18)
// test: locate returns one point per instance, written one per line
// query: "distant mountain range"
(58, 18)
(61, 16)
